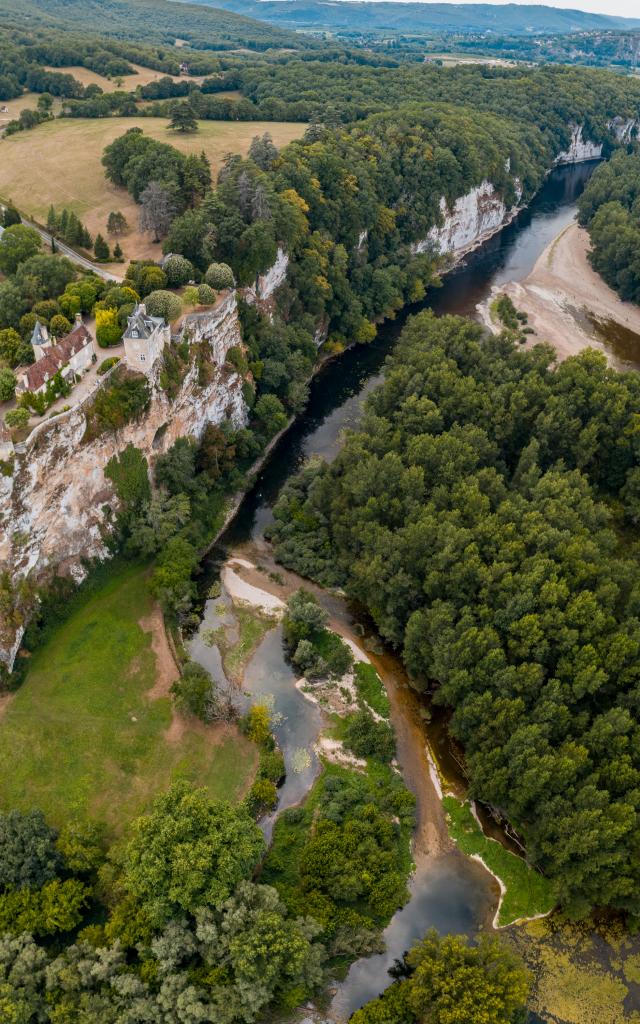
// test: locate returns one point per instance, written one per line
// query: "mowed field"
(128, 83)
(59, 164)
(84, 737)
(28, 101)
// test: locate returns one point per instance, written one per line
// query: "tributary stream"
(448, 891)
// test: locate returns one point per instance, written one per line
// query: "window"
(142, 356)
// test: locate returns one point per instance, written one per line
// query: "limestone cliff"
(54, 505)
(473, 218)
(580, 149)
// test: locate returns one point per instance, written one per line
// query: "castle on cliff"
(144, 339)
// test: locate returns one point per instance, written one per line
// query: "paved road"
(75, 257)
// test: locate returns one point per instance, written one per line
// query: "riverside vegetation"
(610, 210)
(490, 503)
(485, 515)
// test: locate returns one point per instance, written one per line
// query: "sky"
(624, 8)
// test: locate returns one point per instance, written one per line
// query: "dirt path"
(166, 668)
(563, 295)
(5, 700)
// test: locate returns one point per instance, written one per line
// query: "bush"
(7, 384)
(108, 329)
(164, 304)
(206, 295)
(219, 275)
(106, 364)
(192, 692)
(263, 796)
(368, 738)
(121, 400)
(178, 270)
(17, 418)
(59, 325)
(191, 296)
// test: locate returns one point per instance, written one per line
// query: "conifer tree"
(100, 248)
(52, 221)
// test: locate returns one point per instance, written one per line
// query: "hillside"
(512, 19)
(153, 21)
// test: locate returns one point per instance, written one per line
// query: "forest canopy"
(610, 210)
(485, 514)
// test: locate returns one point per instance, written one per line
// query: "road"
(75, 257)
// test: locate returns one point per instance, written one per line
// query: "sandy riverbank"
(570, 306)
(431, 837)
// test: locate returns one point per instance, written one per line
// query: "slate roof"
(56, 357)
(40, 335)
(140, 325)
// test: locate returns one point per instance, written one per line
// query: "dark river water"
(338, 390)
(448, 892)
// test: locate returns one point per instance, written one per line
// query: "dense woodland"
(156, 22)
(610, 210)
(485, 515)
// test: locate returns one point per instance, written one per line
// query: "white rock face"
(624, 128)
(474, 218)
(54, 508)
(273, 277)
(580, 149)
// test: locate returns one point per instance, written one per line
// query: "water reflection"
(449, 894)
(296, 721)
(337, 391)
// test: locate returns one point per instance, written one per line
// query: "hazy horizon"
(621, 8)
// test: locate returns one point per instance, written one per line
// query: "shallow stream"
(448, 891)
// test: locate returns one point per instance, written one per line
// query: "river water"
(448, 891)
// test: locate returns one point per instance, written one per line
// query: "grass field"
(82, 738)
(527, 892)
(28, 101)
(59, 164)
(143, 76)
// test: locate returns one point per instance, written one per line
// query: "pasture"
(92, 733)
(59, 163)
(127, 83)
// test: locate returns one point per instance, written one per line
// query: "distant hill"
(356, 16)
(153, 21)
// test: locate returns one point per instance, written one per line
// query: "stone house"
(71, 356)
(144, 339)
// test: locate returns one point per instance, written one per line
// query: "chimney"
(142, 309)
(79, 320)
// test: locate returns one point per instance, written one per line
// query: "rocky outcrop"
(55, 507)
(623, 129)
(268, 282)
(580, 149)
(473, 219)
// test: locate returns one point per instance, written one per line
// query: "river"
(448, 891)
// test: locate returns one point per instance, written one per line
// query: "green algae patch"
(525, 893)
